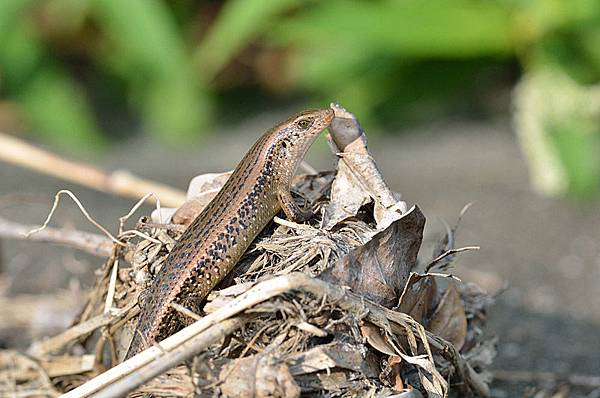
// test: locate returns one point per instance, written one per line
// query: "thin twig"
(112, 284)
(57, 342)
(449, 253)
(185, 311)
(140, 234)
(123, 220)
(95, 244)
(166, 227)
(83, 210)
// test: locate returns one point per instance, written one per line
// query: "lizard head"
(310, 122)
(296, 134)
(293, 137)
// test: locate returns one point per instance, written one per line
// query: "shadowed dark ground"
(546, 249)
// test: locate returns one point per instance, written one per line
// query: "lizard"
(213, 243)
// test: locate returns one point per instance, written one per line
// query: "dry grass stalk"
(95, 244)
(121, 182)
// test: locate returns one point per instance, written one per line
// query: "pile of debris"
(340, 306)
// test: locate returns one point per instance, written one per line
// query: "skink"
(215, 241)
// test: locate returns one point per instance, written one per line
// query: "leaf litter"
(335, 307)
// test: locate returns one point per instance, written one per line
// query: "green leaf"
(20, 54)
(146, 49)
(409, 28)
(57, 110)
(10, 15)
(239, 22)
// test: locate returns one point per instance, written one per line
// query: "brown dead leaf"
(358, 180)
(449, 320)
(418, 297)
(395, 363)
(347, 197)
(375, 338)
(333, 355)
(201, 191)
(379, 269)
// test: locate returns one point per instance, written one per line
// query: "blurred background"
(494, 102)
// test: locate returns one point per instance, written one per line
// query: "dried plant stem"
(350, 138)
(121, 183)
(57, 342)
(95, 244)
(449, 253)
(185, 351)
(342, 297)
(83, 211)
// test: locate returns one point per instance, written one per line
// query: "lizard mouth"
(328, 115)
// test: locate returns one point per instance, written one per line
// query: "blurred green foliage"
(66, 63)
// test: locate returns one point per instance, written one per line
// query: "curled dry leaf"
(395, 364)
(449, 320)
(334, 355)
(201, 190)
(418, 297)
(379, 269)
(347, 197)
(358, 180)
(375, 338)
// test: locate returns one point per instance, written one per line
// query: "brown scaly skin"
(214, 242)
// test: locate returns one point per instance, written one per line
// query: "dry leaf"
(313, 187)
(379, 269)
(418, 297)
(260, 375)
(333, 355)
(449, 320)
(201, 191)
(347, 197)
(358, 180)
(374, 337)
(395, 363)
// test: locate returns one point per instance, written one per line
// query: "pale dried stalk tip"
(358, 180)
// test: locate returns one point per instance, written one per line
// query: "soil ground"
(546, 250)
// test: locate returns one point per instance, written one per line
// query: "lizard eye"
(304, 123)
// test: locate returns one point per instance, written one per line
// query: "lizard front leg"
(291, 209)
